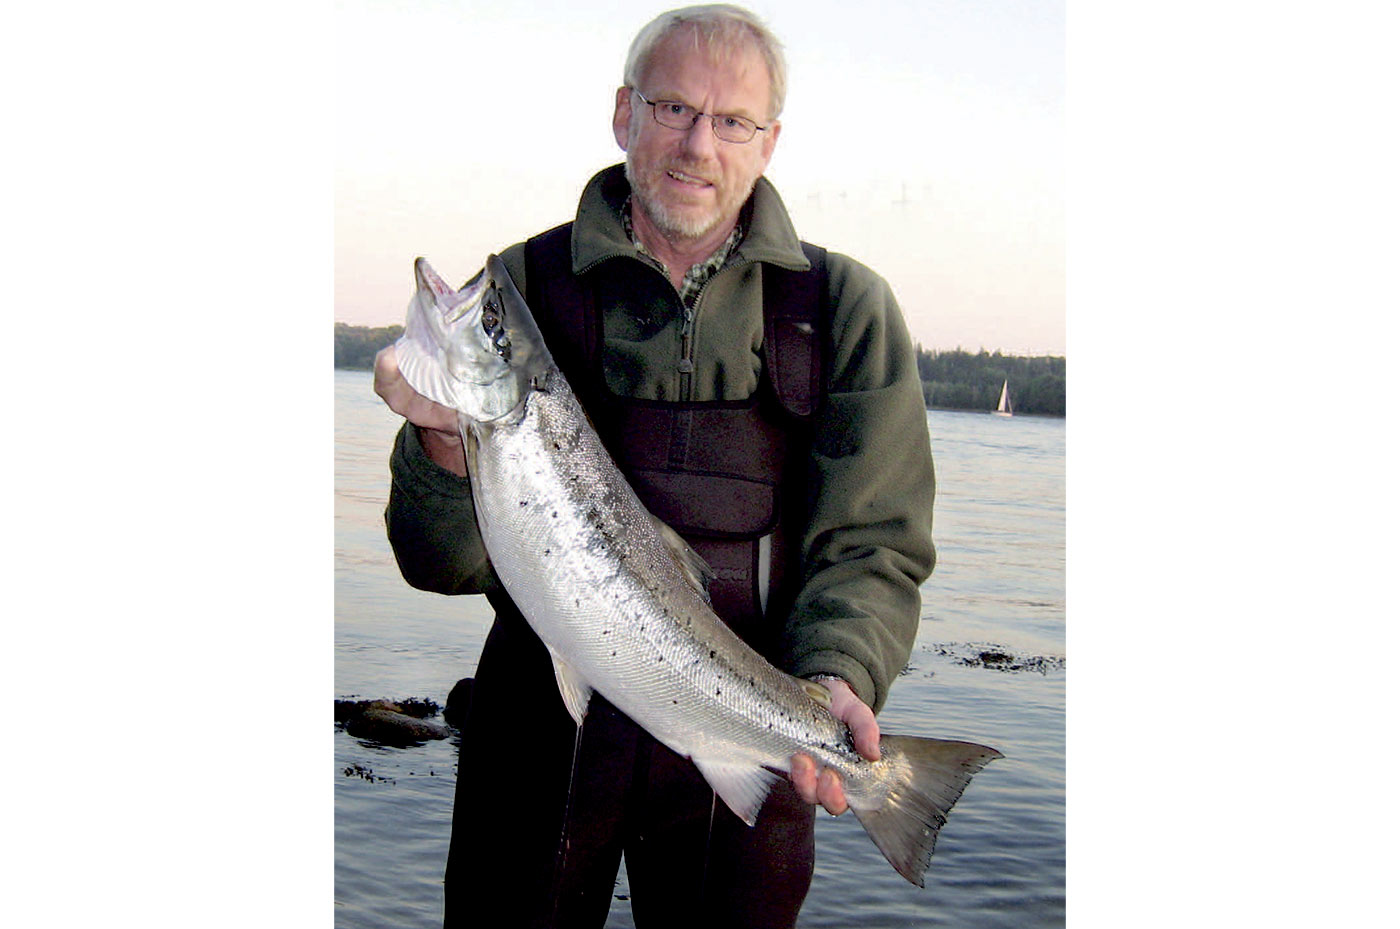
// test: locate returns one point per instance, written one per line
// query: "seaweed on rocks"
(396, 723)
(996, 658)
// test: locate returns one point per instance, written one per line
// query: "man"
(675, 305)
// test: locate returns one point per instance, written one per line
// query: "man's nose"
(700, 140)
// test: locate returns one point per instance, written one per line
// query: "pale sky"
(923, 139)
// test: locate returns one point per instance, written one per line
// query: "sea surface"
(988, 666)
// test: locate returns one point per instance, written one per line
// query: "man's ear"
(622, 117)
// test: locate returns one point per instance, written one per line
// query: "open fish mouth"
(477, 349)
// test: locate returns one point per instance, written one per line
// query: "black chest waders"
(542, 848)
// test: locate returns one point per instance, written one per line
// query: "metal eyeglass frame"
(714, 119)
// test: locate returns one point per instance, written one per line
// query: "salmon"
(620, 600)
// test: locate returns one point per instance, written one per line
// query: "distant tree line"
(356, 346)
(960, 380)
(955, 380)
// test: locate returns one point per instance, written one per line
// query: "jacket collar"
(598, 234)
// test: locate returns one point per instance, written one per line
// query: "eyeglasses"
(676, 115)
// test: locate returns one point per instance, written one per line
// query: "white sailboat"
(1004, 404)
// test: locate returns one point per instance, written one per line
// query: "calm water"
(999, 525)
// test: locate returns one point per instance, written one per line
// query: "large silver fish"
(619, 598)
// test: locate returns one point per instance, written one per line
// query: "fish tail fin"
(928, 777)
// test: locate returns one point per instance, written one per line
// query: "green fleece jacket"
(868, 541)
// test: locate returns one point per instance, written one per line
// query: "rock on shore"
(403, 723)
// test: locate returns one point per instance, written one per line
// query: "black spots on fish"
(605, 631)
(717, 691)
(546, 551)
(675, 703)
(614, 653)
(554, 515)
(712, 653)
(524, 502)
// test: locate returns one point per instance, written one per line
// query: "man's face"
(689, 183)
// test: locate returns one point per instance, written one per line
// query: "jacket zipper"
(687, 362)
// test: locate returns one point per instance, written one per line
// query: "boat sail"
(1004, 404)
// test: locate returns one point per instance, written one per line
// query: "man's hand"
(817, 784)
(437, 424)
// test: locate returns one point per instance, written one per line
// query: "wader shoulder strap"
(562, 306)
(795, 322)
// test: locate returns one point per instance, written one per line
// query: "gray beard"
(677, 227)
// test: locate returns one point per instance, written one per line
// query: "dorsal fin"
(693, 567)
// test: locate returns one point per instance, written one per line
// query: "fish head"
(476, 350)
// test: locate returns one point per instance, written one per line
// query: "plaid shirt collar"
(699, 273)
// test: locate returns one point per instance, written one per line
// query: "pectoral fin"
(572, 688)
(697, 572)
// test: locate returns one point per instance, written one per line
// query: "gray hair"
(716, 27)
